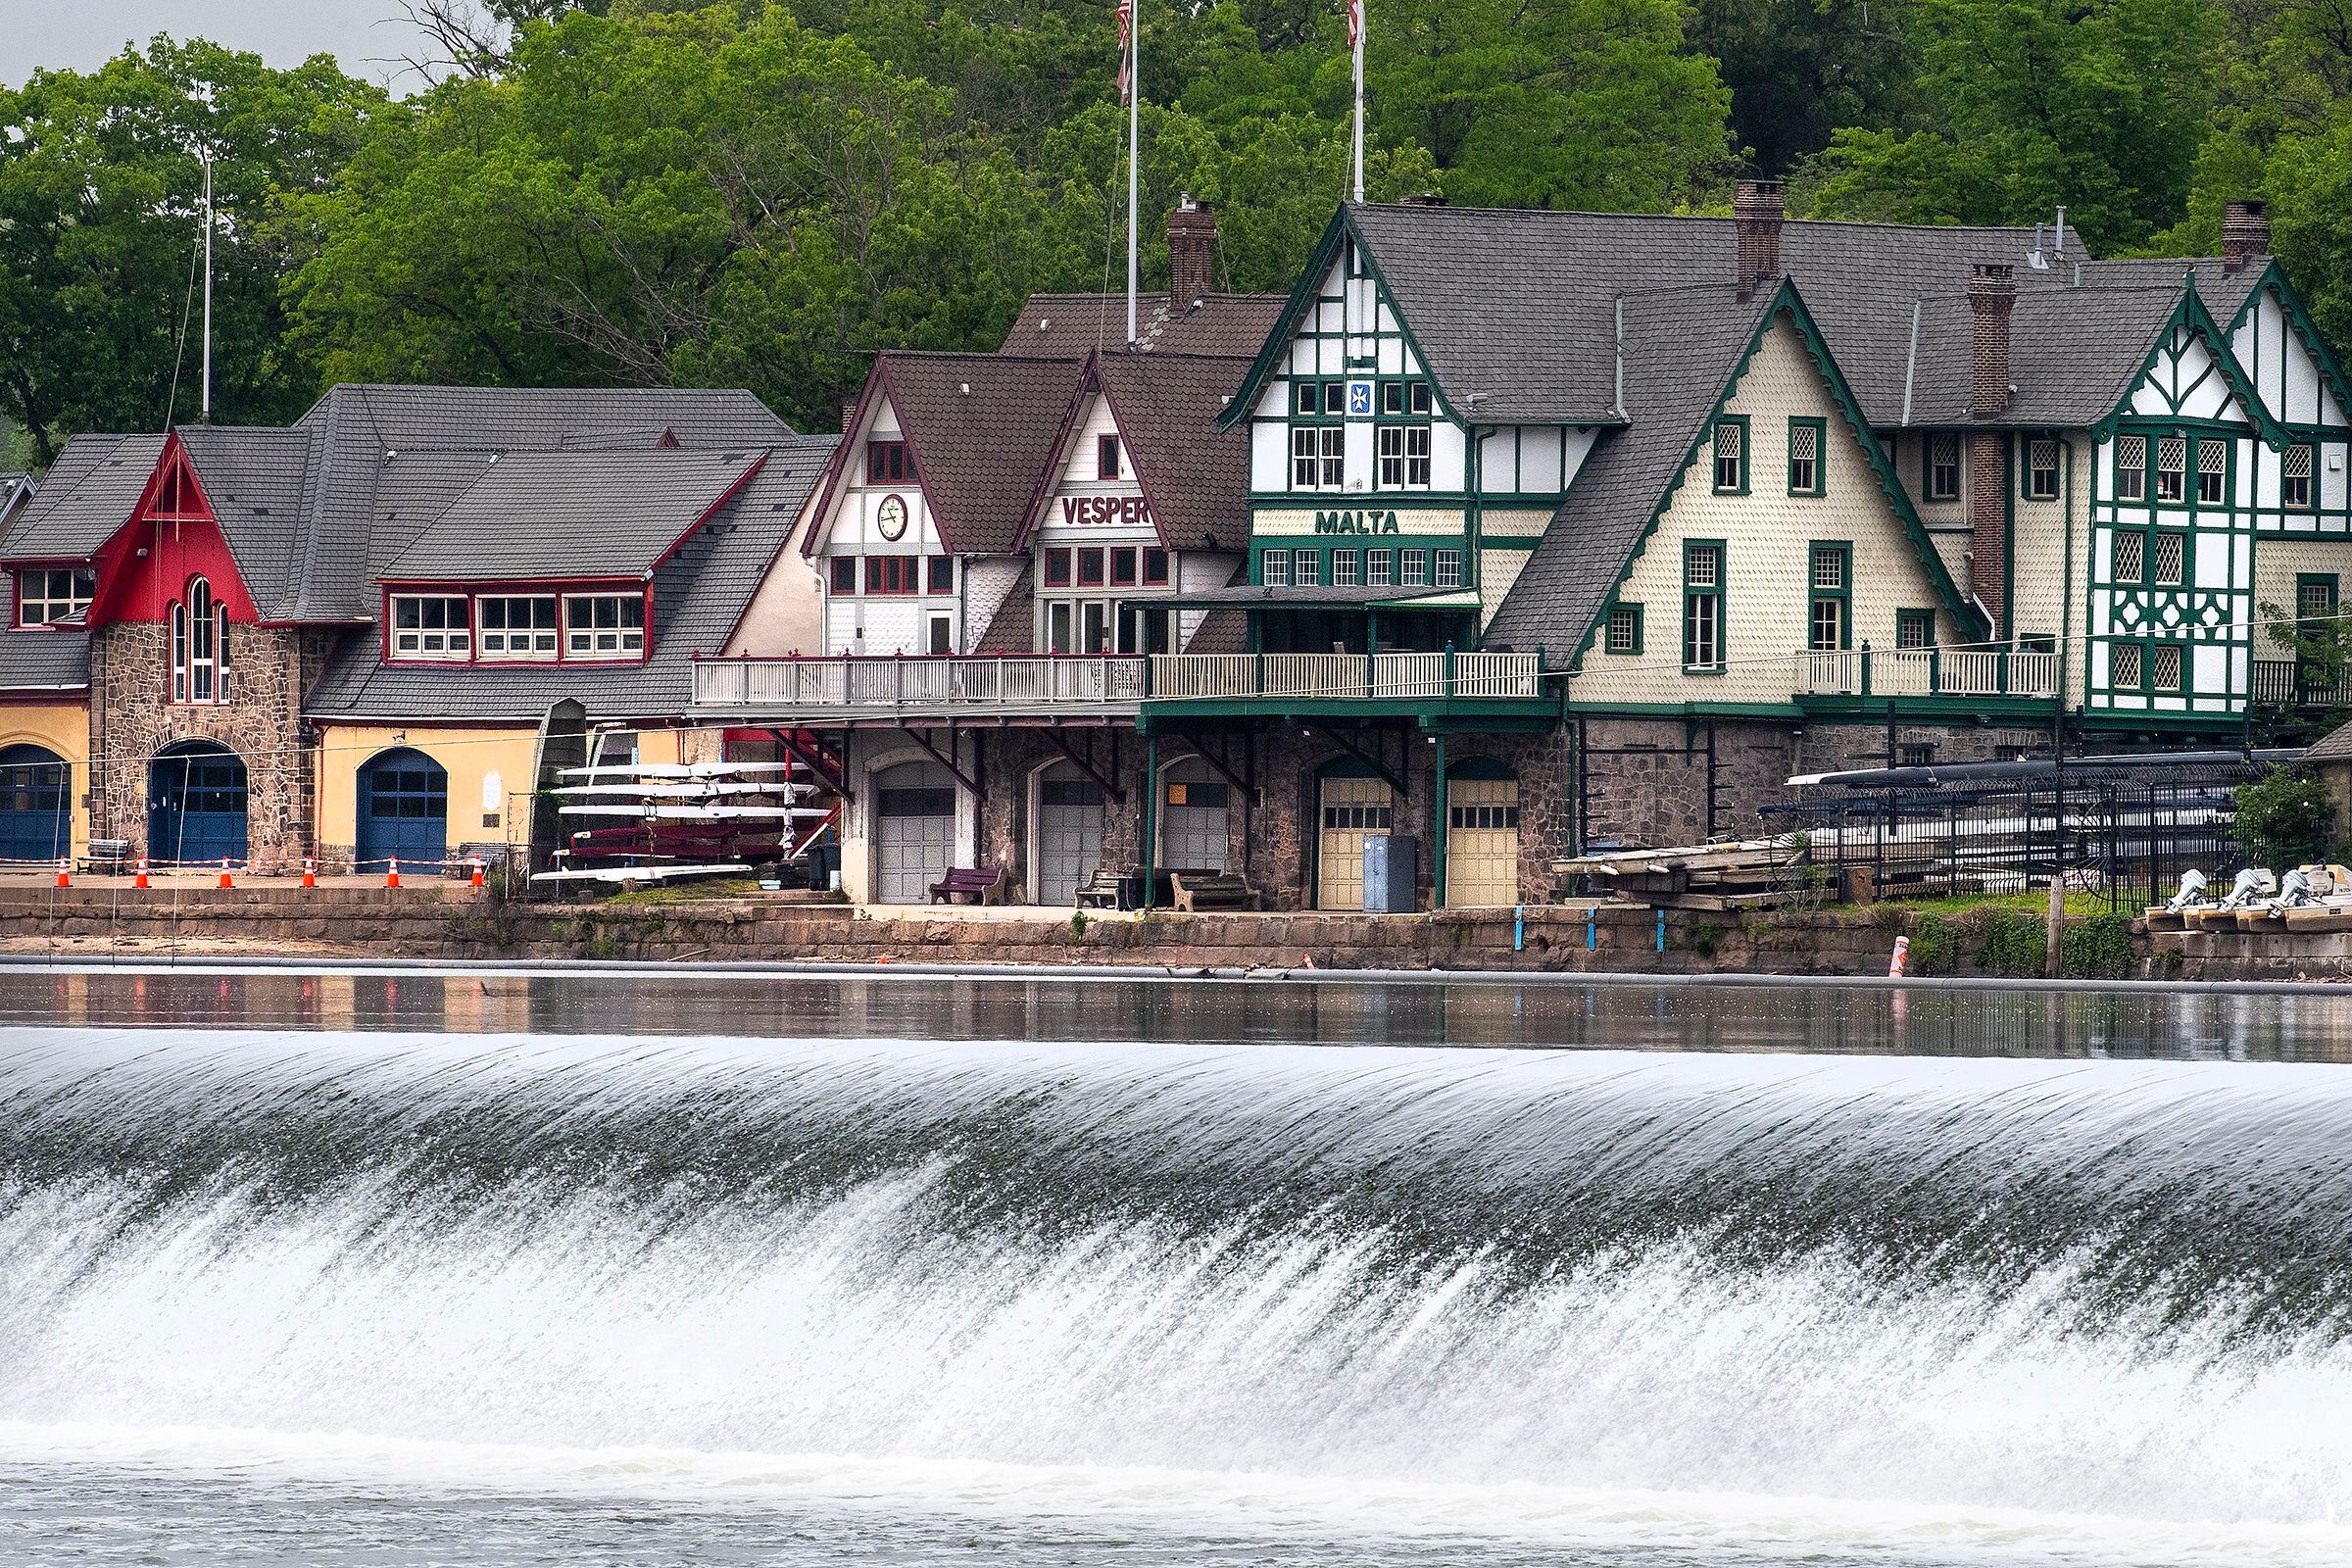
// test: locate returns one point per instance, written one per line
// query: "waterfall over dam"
(1191, 1303)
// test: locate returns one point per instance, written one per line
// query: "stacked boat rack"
(663, 821)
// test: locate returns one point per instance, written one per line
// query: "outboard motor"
(2191, 893)
(2252, 883)
(2294, 890)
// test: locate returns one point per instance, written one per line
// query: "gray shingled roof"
(2333, 746)
(88, 493)
(602, 514)
(255, 479)
(44, 660)
(699, 594)
(1534, 341)
(1681, 348)
(1071, 326)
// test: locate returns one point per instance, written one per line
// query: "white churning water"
(1080, 1304)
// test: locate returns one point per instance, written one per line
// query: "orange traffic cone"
(478, 870)
(226, 880)
(64, 866)
(310, 871)
(140, 880)
(392, 873)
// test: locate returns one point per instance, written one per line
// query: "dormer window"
(199, 646)
(887, 463)
(604, 626)
(46, 594)
(432, 626)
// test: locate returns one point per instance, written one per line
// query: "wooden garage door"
(1481, 842)
(1070, 833)
(1351, 808)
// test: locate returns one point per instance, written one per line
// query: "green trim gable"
(1302, 294)
(1786, 299)
(2275, 281)
(2191, 313)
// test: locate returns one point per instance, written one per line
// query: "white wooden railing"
(1929, 672)
(1101, 682)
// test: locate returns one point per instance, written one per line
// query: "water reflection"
(1826, 1020)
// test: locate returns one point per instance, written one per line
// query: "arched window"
(199, 647)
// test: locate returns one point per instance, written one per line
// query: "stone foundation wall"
(1647, 780)
(132, 719)
(1837, 748)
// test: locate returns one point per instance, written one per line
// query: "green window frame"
(2298, 477)
(1730, 470)
(1620, 629)
(1914, 629)
(2199, 443)
(1808, 473)
(1830, 596)
(2037, 475)
(2129, 458)
(1706, 564)
(2168, 558)
(2127, 557)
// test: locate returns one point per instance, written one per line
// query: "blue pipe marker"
(1519, 929)
(1591, 932)
(1661, 930)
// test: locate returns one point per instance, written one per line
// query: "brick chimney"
(1992, 297)
(1192, 253)
(2245, 234)
(1756, 213)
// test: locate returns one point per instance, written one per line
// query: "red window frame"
(886, 463)
(843, 574)
(1122, 566)
(1155, 567)
(1092, 568)
(1106, 457)
(1058, 567)
(893, 576)
(939, 575)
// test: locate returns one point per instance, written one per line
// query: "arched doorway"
(914, 830)
(404, 809)
(1194, 832)
(36, 814)
(1353, 802)
(1482, 833)
(196, 803)
(1070, 832)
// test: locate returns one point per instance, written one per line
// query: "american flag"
(1356, 23)
(1126, 15)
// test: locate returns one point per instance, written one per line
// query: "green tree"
(1800, 70)
(655, 199)
(101, 190)
(2101, 105)
(2283, 818)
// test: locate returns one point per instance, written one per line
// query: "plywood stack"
(1753, 875)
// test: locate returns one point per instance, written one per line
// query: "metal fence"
(2124, 840)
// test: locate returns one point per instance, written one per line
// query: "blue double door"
(196, 804)
(36, 814)
(404, 809)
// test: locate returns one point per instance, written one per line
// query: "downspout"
(2066, 603)
(2009, 534)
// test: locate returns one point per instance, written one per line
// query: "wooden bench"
(977, 883)
(1197, 891)
(1099, 891)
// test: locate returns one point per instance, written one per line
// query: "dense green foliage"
(676, 191)
(2284, 820)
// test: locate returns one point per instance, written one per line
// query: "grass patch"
(688, 892)
(2080, 905)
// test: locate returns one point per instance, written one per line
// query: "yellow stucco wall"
(63, 728)
(469, 756)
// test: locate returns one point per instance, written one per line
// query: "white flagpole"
(1135, 104)
(204, 412)
(1355, 10)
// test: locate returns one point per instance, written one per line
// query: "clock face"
(891, 519)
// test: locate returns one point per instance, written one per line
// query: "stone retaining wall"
(93, 919)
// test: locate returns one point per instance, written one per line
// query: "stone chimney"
(1992, 297)
(2245, 234)
(1756, 213)
(1192, 253)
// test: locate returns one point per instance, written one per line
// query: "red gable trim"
(1041, 498)
(837, 464)
(149, 561)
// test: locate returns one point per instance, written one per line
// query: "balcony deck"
(1112, 688)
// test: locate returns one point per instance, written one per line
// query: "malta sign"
(1355, 522)
(1128, 510)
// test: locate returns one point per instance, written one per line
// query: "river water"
(497, 1269)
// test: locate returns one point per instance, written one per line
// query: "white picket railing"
(1929, 672)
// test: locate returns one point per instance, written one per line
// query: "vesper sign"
(1129, 510)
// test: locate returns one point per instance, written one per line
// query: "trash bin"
(824, 862)
(1391, 860)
